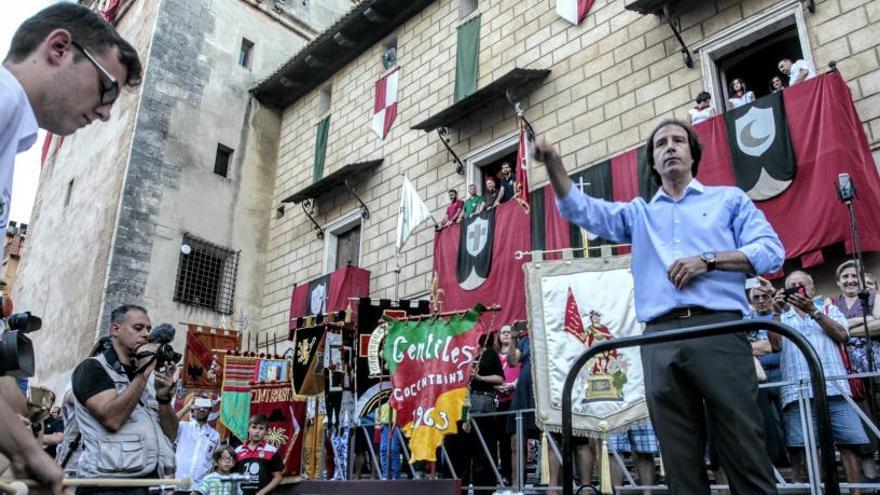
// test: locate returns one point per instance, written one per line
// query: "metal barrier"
(817, 377)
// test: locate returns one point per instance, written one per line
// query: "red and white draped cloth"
(573, 11)
(385, 105)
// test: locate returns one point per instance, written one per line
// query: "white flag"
(413, 211)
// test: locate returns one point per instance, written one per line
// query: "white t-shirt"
(18, 132)
(797, 67)
(195, 448)
(698, 116)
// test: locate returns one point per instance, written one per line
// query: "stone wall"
(613, 79)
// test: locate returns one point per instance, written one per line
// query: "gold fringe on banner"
(545, 459)
(604, 462)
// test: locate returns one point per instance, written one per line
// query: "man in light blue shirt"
(692, 248)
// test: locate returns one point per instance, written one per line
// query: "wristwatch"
(815, 314)
(709, 258)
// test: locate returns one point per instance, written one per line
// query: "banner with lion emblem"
(574, 304)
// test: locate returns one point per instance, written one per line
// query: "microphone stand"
(864, 295)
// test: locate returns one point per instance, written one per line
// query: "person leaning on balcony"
(824, 326)
(739, 94)
(453, 211)
(692, 246)
(797, 72)
(64, 69)
(703, 110)
(777, 84)
(473, 204)
(490, 197)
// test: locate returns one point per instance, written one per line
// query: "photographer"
(825, 327)
(123, 406)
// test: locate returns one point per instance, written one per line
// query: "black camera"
(16, 349)
(163, 335)
(797, 289)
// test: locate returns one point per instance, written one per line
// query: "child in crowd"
(224, 461)
(258, 459)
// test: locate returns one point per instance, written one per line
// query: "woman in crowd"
(703, 110)
(777, 84)
(504, 396)
(739, 94)
(850, 305)
(519, 353)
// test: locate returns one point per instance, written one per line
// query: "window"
(221, 161)
(246, 54)
(206, 275)
(751, 50)
(68, 193)
(389, 52)
(348, 247)
(467, 7)
(342, 242)
(324, 99)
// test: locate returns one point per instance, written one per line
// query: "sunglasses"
(108, 93)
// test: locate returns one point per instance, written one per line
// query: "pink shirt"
(510, 376)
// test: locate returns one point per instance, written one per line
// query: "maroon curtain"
(828, 139)
(505, 285)
(344, 283)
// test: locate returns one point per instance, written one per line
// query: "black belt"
(684, 313)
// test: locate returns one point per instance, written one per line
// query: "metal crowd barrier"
(817, 378)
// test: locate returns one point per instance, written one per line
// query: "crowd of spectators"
(739, 95)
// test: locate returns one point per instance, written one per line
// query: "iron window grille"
(206, 275)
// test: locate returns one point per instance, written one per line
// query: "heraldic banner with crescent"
(574, 304)
(430, 364)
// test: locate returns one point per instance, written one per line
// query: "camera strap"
(71, 448)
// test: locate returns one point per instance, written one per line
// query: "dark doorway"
(493, 169)
(757, 62)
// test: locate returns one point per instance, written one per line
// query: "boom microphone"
(846, 190)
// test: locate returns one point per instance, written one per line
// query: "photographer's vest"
(138, 449)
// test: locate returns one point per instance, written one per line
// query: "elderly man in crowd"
(824, 326)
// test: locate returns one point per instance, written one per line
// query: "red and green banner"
(430, 364)
(275, 401)
(203, 357)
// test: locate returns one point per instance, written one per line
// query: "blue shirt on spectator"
(794, 365)
(704, 219)
(768, 361)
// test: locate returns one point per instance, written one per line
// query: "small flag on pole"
(573, 11)
(413, 211)
(385, 104)
(522, 165)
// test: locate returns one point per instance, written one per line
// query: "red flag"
(573, 11)
(573, 322)
(385, 104)
(522, 166)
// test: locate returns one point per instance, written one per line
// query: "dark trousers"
(684, 380)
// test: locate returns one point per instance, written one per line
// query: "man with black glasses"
(64, 70)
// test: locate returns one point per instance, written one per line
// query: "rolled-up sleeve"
(608, 220)
(756, 238)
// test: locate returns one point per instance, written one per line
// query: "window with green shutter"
(321, 148)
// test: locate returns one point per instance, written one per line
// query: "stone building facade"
(612, 79)
(185, 167)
